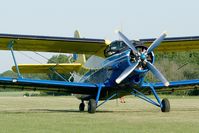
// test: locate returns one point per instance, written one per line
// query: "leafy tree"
(40, 76)
(57, 59)
(9, 73)
(61, 58)
(12, 74)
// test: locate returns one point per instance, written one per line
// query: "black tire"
(92, 106)
(81, 106)
(165, 105)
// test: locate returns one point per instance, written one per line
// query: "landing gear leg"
(164, 104)
(92, 105)
(81, 106)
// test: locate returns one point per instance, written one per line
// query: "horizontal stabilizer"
(48, 68)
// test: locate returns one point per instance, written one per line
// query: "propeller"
(141, 57)
(127, 42)
(126, 72)
(156, 43)
(157, 73)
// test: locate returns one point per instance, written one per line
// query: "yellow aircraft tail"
(79, 58)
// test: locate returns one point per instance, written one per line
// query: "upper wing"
(54, 44)
(189, 84)
(50, 85)
(48, 68)
(175, 44)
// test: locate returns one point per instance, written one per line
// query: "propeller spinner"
(141, 57)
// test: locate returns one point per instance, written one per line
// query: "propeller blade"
(127, 42)
(156, 42)
(157, 73)
(126, 72)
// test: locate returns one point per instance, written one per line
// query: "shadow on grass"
(25, 111)
(66, 111)
(46, 111)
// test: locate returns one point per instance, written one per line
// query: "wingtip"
(107, 42)
(166, 84)
(165, 33)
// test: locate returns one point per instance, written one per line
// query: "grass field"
(60, 115)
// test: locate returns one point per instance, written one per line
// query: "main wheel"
(165, 105)
(81, 106)
(92, 106)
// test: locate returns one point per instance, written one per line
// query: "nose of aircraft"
(141, 57)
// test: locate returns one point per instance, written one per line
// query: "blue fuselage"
(111, 68)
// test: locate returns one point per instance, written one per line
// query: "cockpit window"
(115, 47)
(118, 47)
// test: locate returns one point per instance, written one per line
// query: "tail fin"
(79, 58)
(77, 34)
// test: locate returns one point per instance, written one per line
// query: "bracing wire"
(55, 65)
(41, 62)
(41, 56)
(30, 57)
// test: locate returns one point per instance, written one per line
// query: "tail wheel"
(92, 106)
(165, 105)
(81, 106)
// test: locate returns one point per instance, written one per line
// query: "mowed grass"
(61, 115)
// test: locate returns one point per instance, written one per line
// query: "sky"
(95, 19)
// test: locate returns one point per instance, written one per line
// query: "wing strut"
(98, 93)
(59, 75)
(10, 46)
(147, 99)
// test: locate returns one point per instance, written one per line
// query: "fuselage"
(110, 69)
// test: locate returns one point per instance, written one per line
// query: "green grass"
(18, 93)
(60, 115)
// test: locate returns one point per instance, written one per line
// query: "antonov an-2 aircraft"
(122, 67)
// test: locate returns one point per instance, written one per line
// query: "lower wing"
(50, 85)
(174, 85)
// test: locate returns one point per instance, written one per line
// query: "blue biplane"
(121, 67)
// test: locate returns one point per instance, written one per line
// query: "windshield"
(94, 62)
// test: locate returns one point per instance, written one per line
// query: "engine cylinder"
(142, 56)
